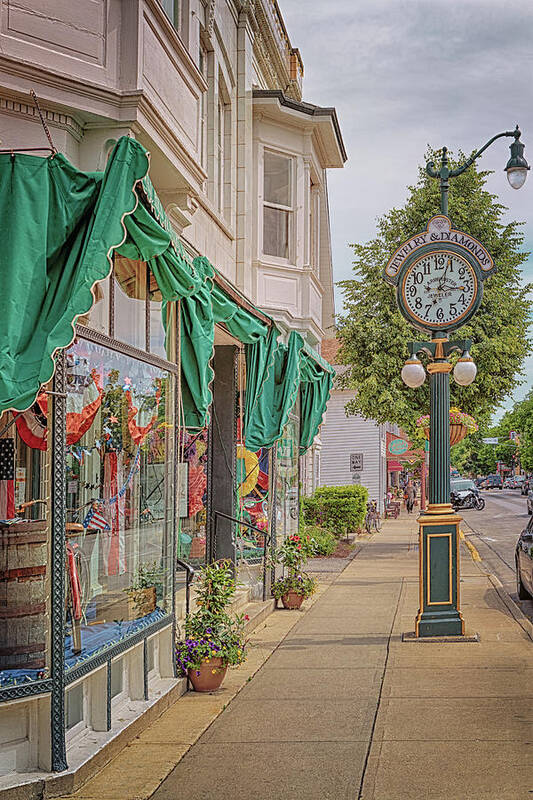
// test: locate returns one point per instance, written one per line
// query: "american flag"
(7, 478)
(95, 520)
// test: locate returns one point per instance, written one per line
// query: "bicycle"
(373, 517)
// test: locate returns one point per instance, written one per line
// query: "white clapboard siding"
(343, 435)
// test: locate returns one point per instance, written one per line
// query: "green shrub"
(339, 509)
(311, 507)
(324, 542)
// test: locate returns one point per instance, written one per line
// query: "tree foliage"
(374, 334)
(473, 457)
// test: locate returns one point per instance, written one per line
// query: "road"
(494, 532)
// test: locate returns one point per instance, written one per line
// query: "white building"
(353, 449)
(213, 90)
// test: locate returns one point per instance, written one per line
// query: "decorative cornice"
(56, 119)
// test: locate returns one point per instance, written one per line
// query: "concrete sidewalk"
(344, 709)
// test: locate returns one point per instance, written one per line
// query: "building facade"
(354, 449)
(132, 449)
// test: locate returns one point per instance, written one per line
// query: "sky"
(403, 74)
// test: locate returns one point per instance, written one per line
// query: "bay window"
(277, 204)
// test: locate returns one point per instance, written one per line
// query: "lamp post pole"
(439, 612)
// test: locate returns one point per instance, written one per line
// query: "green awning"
(316, 379)
(59, 227)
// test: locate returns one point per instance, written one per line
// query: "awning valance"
(60, 229)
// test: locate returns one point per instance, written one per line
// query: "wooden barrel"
(23, 590)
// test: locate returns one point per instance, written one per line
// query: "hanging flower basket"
(461, 425)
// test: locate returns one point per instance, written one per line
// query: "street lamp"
(516, 168)
(438, 275)
(413, 373)
(517, 165)
(465, 370)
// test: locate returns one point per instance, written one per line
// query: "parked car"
(479, 481)
(530, 501)
(519, 481)
(509, 483)
(492, 482)
(524, 563)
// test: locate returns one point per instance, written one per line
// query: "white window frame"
(290, 209)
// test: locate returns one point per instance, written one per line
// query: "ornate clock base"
(439, 613)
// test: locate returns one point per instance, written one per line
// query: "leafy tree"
(374, 334)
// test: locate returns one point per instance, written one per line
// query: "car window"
(460, 486)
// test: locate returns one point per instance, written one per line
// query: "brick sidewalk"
(344, 709)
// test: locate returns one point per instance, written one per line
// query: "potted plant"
(296, 585)
(461, 424)
(146, 587)
(213, 639)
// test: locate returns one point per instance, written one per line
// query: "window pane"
(98, 317)
(277, 188)
(119, 463)
(130, 302)
(287, 480)
(275, 232)
(25, 573)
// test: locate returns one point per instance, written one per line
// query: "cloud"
(407, 73)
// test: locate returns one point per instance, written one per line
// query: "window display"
(24, 531)
(287, 480)
(192, 494)
(120, 442)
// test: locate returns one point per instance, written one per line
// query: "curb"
(515, 610)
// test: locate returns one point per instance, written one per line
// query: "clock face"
(439, 289)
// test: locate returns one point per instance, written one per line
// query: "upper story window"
(277, 204)
(223, 151)
(314, 227)
(177, 12)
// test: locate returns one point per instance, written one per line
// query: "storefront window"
(24, 536)
(253, 470)
(192, 496)
(120, 455)
(287, 480)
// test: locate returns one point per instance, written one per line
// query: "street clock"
(438, 275)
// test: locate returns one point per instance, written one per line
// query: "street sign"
(356, 462)
(490, 441)
(356, 478)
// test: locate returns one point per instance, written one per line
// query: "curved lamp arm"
(444, 173)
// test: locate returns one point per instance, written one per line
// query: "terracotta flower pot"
(208, 676)
(292, 600)
(457, 433)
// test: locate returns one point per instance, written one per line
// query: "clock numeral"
(418, 303)
(462, 299)
(412, 291)
(440, 314)
(427, 269)
(453, 309)
(439, 262)
(418, 276)
(428, 309)
(462, 271)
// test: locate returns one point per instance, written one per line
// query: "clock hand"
(443, 276)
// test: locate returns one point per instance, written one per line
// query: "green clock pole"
(439, 613)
